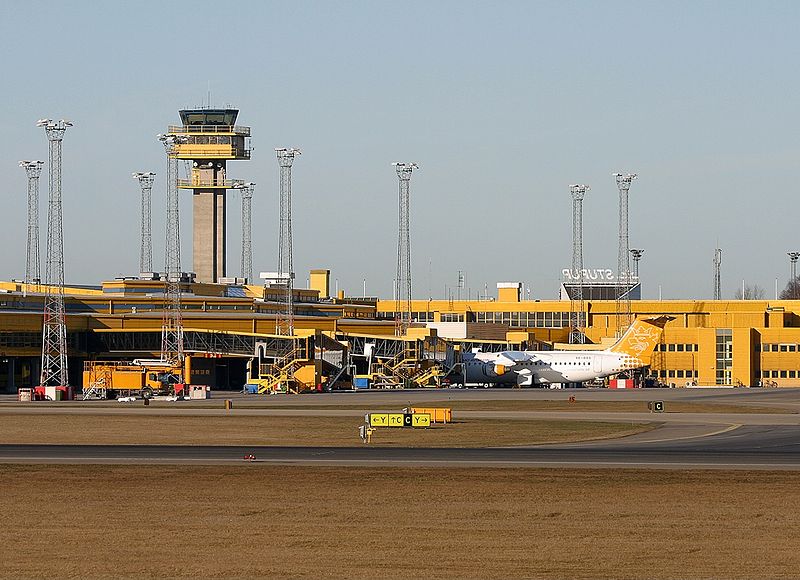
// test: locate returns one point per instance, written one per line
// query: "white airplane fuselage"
(543, 367)
(538, 367)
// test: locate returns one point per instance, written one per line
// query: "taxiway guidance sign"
(399, 420)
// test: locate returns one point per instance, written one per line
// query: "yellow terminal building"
(724, 343)
(708, 343)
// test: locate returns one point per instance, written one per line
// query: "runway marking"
(712, 434)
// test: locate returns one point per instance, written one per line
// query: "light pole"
(793, 256)
(146, 179)
(32, 262)
(403, 280)
(54, 327)
(578, 192)
(246, 264)
(636, 254)
(623, 255)
(285, 321)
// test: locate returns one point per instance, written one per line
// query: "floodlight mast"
(146, 179)
(793, 256)
(33, 169)
(54, 329)
(578, 192)
(403, 277)
(172, 322)
(636, 254)
(247, 188)
(285, 321)
(623, 298)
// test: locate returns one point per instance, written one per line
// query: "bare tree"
(792, 290)
(747, 292)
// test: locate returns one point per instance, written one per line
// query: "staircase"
(278, 377)
(405, 371)
(99, 381)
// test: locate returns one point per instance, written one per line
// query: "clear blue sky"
(502, 104)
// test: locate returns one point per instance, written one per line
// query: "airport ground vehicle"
(142, 377)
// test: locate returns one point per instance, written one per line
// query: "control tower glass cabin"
(209, 138)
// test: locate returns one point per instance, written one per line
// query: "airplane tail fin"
(640, 339)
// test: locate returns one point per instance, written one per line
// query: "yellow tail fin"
(640, 339)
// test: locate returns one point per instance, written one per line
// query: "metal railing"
(201, 183)
(191, 151)
(183, 129)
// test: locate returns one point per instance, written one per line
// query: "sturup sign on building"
(593, 275)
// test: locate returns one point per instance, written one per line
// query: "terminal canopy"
(191, 117)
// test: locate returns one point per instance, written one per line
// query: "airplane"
(555, 367)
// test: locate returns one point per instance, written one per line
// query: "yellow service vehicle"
(142, 377)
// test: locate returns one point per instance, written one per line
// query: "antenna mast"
(717, 269)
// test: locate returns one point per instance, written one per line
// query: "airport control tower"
(209, 138)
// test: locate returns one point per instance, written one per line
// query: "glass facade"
(530, 319)
(724, 355)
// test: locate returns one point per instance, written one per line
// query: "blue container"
(251, 389)
(361, 382)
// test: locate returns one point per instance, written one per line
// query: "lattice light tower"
(209, 139)
(623, 302)
(636, 254)
(32, 261)
(578, 192)
(54, 328)
(717, 272)
(246, 267)
(172, 323)
(793, 256)
(145, 179)
(403, 276)
(285, 322)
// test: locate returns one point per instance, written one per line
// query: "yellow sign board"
(420, 420)
(379, 419)
(399, 420)
(395, 419)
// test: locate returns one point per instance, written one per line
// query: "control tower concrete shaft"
(209, 138)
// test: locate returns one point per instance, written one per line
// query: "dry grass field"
(255, 520)
(307, 402)
(299, 431)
